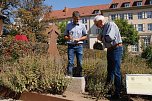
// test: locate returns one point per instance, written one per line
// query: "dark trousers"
(72, 52)
(114, 57)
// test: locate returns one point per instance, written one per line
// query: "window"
(125, 16)
(130, 16)
(84, 20)
(141, 15)
(140, 27)
(86, 27)
(139, 3)
(121, 16)
(113, 16)
(150, 2)
(146, 41)
(97, 12)
(114, 6)
(134, 48)
(127, 4)
(149, 14)
(150, 26)
(69, 21)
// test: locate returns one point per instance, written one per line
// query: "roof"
(67, 12)
(88, 10)
(120, 2)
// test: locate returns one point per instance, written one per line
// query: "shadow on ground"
(132, 98)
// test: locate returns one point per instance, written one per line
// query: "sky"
(61, 4)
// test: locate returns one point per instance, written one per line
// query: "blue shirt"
(111, 34)
(75, 31)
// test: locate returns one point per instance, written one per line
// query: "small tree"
(62, 26)
(30, 14)
(128, 33)
(147, 54)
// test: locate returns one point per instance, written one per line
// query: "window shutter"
(145, 15)
(135, 26)
(143, 27)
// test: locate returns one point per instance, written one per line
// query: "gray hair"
(98, 18)
(76, 14)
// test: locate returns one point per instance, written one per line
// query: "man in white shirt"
(75, 34)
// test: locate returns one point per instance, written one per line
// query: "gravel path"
(76, 97)
(81, 97)
(85, 97)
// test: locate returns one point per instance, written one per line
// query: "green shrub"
(12, 50)
(147, 54)
(34, 73)
(94, 70)
(37, 72)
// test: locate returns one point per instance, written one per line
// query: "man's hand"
(68, 37)
(77, 40)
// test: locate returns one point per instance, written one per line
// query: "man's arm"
(110, 32)
(81, 39)
(66, 34)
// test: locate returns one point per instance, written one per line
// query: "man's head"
(99, 21)
(76, 17)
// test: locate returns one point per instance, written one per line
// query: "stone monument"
(53, 33)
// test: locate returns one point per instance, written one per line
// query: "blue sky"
(60, 4)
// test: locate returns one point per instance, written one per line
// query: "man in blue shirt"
(75, 34)
(112, 40)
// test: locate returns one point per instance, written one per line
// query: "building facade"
(137, 12)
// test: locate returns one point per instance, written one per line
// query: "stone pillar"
(53, 35)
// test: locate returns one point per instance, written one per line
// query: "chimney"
(65, 9)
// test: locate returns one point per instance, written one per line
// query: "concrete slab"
(76, 85)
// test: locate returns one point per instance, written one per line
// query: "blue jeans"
(114, 57)
(72, 51)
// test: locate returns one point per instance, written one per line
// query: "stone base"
(77, 85)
